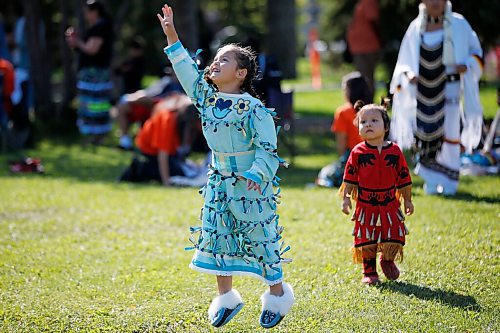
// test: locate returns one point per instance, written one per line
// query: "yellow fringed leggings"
(389, 251)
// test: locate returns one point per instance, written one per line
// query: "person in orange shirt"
(159, 141)
(355, 88)
(363, 39)
(6, 88)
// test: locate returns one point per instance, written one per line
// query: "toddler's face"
(371, 125)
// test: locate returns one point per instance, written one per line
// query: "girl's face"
(224, 69)
(371, 125)
(434, 8)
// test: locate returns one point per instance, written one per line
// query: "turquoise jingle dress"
(239, 234)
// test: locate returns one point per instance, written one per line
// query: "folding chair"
(282, 102)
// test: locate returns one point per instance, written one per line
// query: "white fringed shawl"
(460, 46)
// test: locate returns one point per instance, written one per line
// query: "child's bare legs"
(276, 303)
(224, 284)
(276, 289)
(369, 255)
(390, 251)
(225, 306)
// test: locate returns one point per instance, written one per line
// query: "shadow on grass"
(425, 293)
(460, 196)
(469, 197)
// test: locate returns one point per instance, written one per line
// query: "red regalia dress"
(378, 175)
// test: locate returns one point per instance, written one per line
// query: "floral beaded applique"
(210, 101)
(222, 108)
(242, 105)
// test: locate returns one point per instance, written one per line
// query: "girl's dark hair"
(360, 108)
(246, 58)
(357, 88)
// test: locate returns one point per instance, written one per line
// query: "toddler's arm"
(346, 197)
(406, 193)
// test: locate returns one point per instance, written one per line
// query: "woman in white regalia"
(436, 95)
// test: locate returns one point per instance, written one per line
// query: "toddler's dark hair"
(360, 108)
(246, 59)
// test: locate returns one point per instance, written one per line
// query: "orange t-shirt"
(159, 133)
(344, 123)
(7, 71)
(361, 35)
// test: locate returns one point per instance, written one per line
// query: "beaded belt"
(233, 162)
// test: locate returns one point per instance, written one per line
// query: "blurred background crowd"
(97, 68)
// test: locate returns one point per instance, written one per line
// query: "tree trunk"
(68, 88)
(39, 61)
(282, 37)
(186, 22)
(120, 18)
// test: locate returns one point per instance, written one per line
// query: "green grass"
(82, 253)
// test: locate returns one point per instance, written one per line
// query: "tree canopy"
(280, 24)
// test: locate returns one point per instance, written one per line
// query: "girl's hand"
(409, 207)
(167, 24)
(251, 185)
(346, 205)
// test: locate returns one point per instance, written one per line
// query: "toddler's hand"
(346, 205)
(409, 207)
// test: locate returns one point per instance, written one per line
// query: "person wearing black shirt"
(94, 83)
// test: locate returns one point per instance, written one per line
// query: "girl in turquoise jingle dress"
(239, 234)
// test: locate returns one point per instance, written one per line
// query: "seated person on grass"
(355, 88)
(137, 107)
(163, 141)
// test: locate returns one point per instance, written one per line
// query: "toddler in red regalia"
(377, 177)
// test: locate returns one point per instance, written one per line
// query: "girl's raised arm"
(167, 24)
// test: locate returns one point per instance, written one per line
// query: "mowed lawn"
(82, 253)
